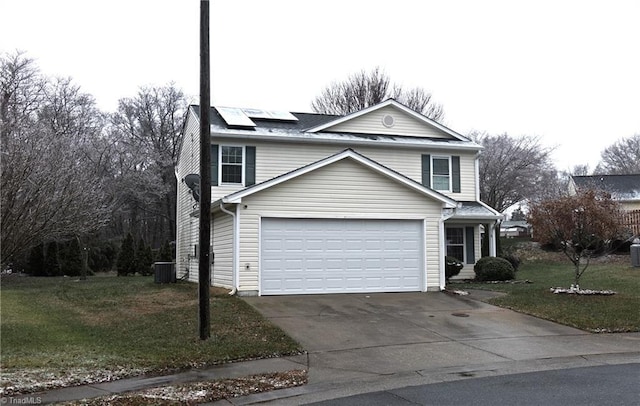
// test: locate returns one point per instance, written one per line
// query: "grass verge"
(616, 313)
(125, 326)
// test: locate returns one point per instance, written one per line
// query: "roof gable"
(389, 118)
(346, 154)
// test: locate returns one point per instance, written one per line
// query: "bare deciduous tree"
(621, 158)
(513, 169)
(580, 170)
(364, 89)
(49, 184)
(147, 132)
(580, 225)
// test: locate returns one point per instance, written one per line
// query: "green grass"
(126, 322)
(616, 313)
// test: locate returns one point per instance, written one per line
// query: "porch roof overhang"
(474, 211)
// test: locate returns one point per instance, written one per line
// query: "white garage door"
(339, 256)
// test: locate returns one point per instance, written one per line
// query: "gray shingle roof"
(621, 187)
(475, 210)
(305, 120)
(296, 130)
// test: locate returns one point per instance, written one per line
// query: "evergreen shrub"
(493, 269)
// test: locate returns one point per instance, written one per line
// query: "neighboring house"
(623, 188)
(312, 203)
(515, 228)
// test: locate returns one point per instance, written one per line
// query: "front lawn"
(616, 313)
(109, 327)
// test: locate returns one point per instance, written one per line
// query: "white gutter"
(236, 250)
(477, 168)
(307, 138)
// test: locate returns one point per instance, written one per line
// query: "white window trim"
(448, 158)
(220, 163)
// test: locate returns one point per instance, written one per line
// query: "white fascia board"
(390, 102)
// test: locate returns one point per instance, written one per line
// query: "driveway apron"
(351, 336)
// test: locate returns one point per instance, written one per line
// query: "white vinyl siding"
(630, 205)
(222, 245)
(187, 226)
(344, 189)
(403, 124)
(274, 159)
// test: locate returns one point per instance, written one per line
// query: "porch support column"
(492, 240)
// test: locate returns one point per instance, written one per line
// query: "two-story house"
(310, 203)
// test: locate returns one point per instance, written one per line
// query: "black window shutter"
(470, 245)
(214, 165)
(250, 166)
(426, 170)
(455, 169)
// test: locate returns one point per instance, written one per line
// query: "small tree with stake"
(582, 225)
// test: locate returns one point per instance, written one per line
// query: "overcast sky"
(566, 71)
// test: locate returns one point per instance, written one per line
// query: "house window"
(231, 159)
(441, 173)
(455, 242)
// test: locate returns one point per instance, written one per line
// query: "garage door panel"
(338, 255)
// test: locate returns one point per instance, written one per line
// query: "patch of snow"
(575, 290)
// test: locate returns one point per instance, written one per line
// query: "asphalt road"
(617, 385)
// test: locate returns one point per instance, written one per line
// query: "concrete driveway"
(360, 337)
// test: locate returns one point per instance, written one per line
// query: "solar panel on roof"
(235, 117)
(256, 113)
(270, 114)
(282, 115)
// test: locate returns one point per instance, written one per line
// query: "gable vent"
(388, 120)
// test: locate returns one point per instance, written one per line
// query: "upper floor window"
(441, 173)
(233, 165)
(231, 161)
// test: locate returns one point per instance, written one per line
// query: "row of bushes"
(58, 258)
(487, 268)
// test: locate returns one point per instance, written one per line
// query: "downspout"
(234, 271)
(477, 168)
(446, 215)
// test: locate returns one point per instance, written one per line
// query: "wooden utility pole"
(204, 264)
